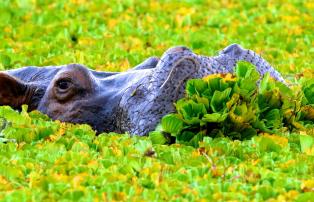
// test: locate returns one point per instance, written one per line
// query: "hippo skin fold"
(133, 101)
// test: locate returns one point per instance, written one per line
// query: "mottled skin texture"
(133, 101)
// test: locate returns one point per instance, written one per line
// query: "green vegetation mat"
(44, 160)
(233, 106)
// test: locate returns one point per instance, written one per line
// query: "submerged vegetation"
(230, 139)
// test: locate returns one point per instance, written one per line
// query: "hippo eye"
(63, 85)
(64, 89)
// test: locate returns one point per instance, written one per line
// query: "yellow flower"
(195, 154)
(282, 141)
(4, 184)
(86, 41)
(120, 196)
(309, 5)
(308, 186)
(116, 151)
(228, 77)
(145, 172)
(292, 194)
(288, 164)
(7, 29)
(112, 23)
(78, 179)
(78, 1)
(212, 76)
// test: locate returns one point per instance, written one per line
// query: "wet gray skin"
(133, 101)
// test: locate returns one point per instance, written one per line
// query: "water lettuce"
(238, 106)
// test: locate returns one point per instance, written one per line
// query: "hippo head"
(74, 96)
(70, 93)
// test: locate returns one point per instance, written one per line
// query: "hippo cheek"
(93, 115)
(80, 112)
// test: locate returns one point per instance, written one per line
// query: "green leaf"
(185, 136)
(171, 124)
(194, 142)
(202, 100)
(191, 111)
(195, 86)
(266, 191)
(247, 78)
(219, 100)
(246, 88)
(306, 142)
(243, 114)
(157, 138)
(270, 100)
(245, 70)
(213, 85)
(263, 86)
(217, 84)
(241, 70)
(148, 184)
(285, 91)
(248, 133)
(309, 93)
(73, 195)
(215, 117)
(268, 145)
(305, 197)
(308, 112)
(274, 118)
(260, 124)
(5, 60)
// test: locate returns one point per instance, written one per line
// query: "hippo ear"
(13, 92)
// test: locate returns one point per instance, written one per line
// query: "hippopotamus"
(131, 102)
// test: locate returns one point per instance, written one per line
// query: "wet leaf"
(171, 124)
(307, 142)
